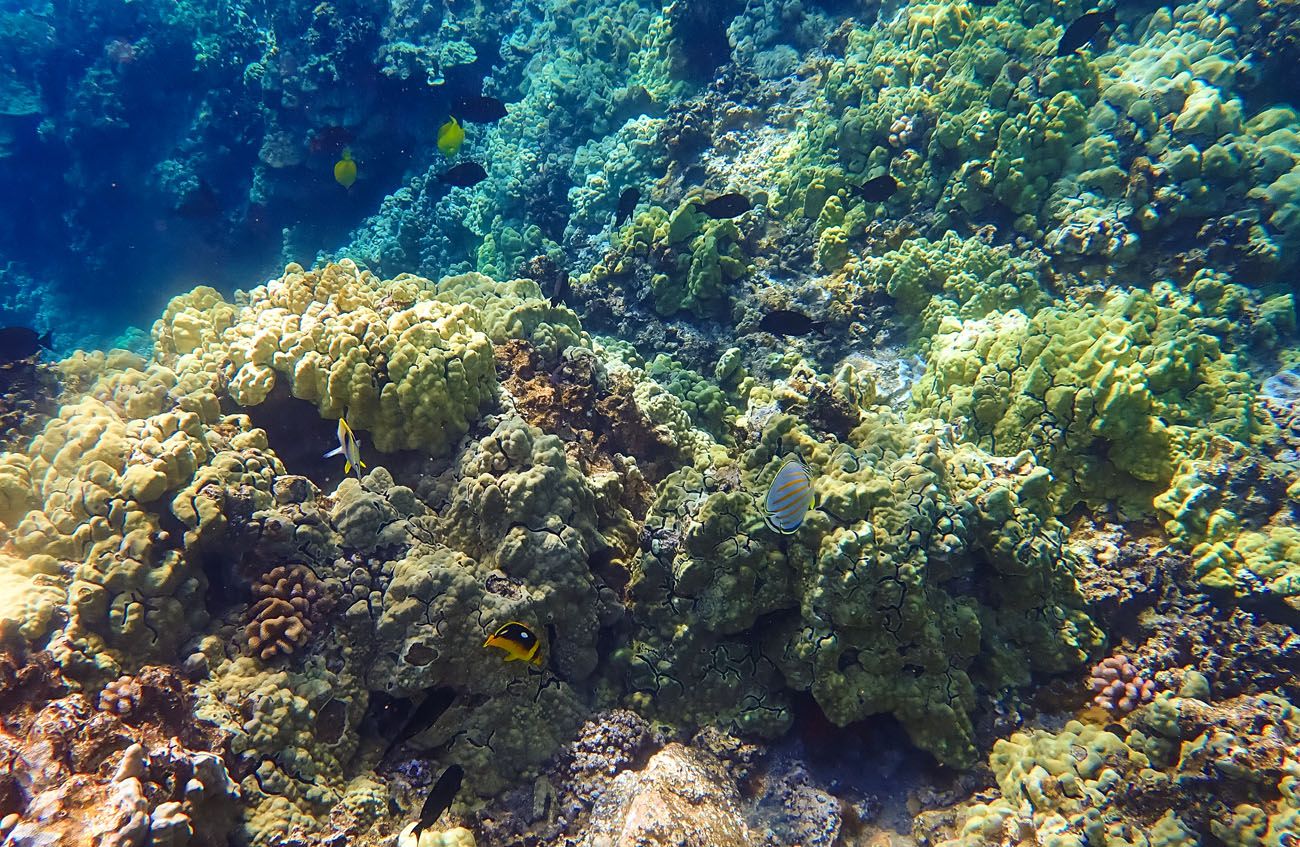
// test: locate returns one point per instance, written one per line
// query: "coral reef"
(1119, 687)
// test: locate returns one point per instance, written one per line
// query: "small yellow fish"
(345, 170)
(349, 448)
(450, 137)
(519, 643)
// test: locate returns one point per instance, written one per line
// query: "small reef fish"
(349, 448)
(1083, 30)
(787, 322)
(876, 190)
(788, 497)
(480, 110)
(440, 797)
(560, 292)
(463, 175)
(20, 342)
(345, 170)
(726, 206)
(450, 136)
(519, 643)
(433, 706)
(627, 205)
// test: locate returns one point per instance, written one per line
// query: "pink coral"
(1118, 685)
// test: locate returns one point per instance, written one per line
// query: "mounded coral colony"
(1028, 407)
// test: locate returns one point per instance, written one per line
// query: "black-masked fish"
(518, 642)
(20, 342)
(463, 175)
(480, 109)
(788, 497)
(627, 205)
(1083, 30)
(787, 322)
(876, 190)
(726, 206)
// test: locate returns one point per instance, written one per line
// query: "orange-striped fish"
(788, 497)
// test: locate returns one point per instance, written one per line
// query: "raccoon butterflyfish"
(788, 497)
(345, 170)
(450, 137)
(349, 448)
(518, 642)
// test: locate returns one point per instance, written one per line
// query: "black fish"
(1083, 30)
(440, 797)
(626, 205)
(876, 190)
(726, 206)
(20, 342)
(561, 289)
(425, 715)
(464, 175)
(787, 322)
(479, 110)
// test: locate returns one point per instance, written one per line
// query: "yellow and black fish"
(518, 642)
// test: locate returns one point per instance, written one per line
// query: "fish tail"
(347, 467)
(1109, 16)
(46, 341)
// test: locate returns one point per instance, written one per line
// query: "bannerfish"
(876, 190)
(788, 497)
(444, 791)
(425, 715)
(20, 342)
(726, 206)
(1083, 30)
(463, 175)
(450, 136)
(519, 643)
(480, 110)
(787, 322)
(626, 205)
(345, 170)
(349, 448)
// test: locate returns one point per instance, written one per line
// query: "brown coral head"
(291, 604)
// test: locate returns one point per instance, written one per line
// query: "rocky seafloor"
(1047, 589)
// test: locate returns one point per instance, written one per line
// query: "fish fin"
(1110, 15)
(46, 341)
(337, 451)
(347, 466)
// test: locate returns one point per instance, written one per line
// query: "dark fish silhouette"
(726, 206)
(787, 322)
(1083, 30)
(425, 715)
(464, 175)
(479, 110)
(876, 190)
(560, 292)
(444, 791)
(20, 342)
(626, 205)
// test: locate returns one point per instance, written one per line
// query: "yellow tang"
(519, 643)
(345, 170)
(450, 137)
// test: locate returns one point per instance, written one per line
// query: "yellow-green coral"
(1112, 397)
(412, 370)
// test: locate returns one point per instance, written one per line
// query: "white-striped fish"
(349, 448)
(789, 497)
